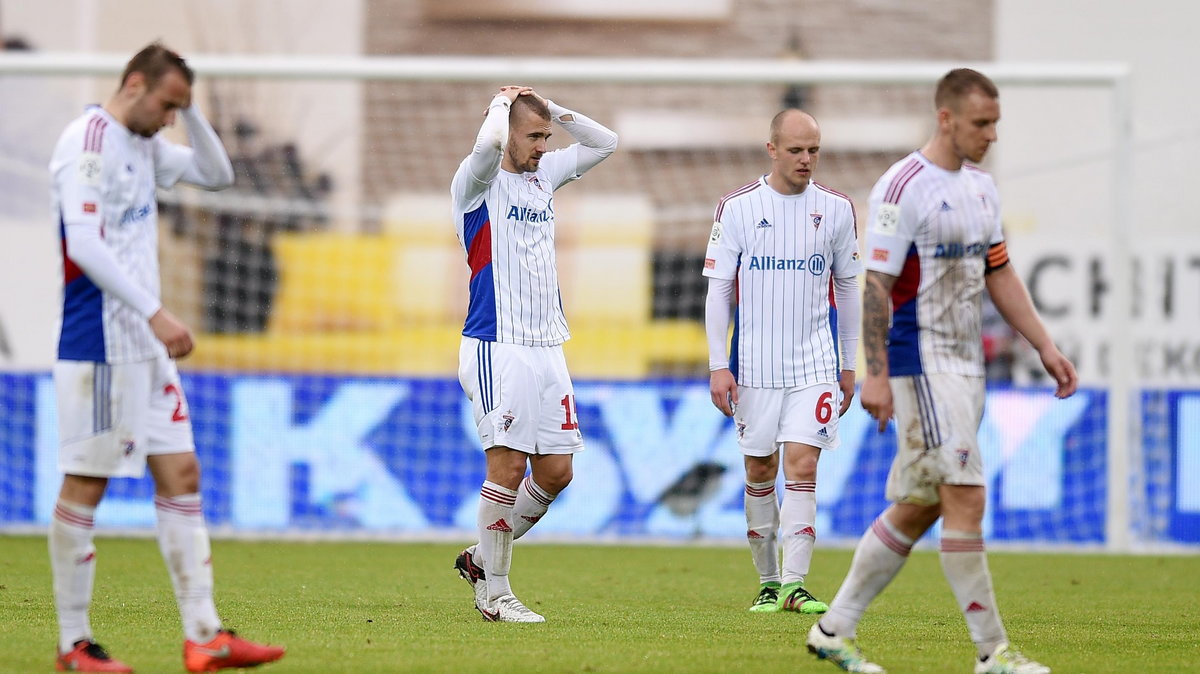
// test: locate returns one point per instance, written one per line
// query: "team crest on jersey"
(816, 219)
(508, 420)
(963, 455)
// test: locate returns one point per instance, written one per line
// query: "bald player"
(779, 244)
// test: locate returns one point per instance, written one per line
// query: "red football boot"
(227, 650)
(88, 656)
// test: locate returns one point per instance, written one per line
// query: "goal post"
(308, 225)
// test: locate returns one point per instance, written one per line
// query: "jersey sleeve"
(561, 166)
(846, 260)
(80, 173)
(594, 143)
(85, 177)
(891, 228)
(477, 171)
(170, 161)
(724, 251)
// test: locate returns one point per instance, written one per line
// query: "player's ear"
(943, 116)
(135, 83)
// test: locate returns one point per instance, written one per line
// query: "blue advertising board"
(399, 455)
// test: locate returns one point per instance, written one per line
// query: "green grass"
(384, 607)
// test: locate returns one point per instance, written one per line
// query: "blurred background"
(328, 290)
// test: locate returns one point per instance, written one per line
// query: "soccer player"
(511, 363)
(120, 403)
(779, 243)
(933, 244)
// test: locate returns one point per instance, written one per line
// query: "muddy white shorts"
(766, 417)
(937, 429)
(521, 396)
(112, 416)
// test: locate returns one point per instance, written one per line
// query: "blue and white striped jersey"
(104, 176)
(505, 223)
(784, 251)
(932, 229)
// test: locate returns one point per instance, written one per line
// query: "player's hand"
(724, 390)
(172, 333)
(877, 399)
(513, 90)
(846, 383)
(1063, 371)
(528, 91)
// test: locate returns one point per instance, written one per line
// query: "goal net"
(327, 290)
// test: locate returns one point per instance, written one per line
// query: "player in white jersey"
(780, 243)
(933, 244)
(511, 362)
(121, 406)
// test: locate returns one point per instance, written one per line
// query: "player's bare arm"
(172, 333)
(877, 315)
(1014, 304)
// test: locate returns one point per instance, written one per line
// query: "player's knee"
(555, 480)
(761, 469)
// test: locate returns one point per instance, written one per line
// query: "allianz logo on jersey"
(136, 213)
(815, 264)
(956, 250)
(526, 214)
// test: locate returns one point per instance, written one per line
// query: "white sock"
(798, 517)
(532, 503)
(494, 522)
(965, 564)
(879, 556)
(73, 563)
(762, 526)
(183, 541)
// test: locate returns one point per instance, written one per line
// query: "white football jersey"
(507, 230)
(784, 251)
(103, 175)
(932, 228)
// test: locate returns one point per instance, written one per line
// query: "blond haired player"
(121, 406)
(780, 243)
(933, 244)
(511, 363)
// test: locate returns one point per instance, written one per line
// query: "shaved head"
(787, 115)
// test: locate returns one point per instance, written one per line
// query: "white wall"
(1055, 167)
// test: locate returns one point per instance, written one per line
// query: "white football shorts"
(937, 429)
(521, 396)
(112, 416)
(766, 417)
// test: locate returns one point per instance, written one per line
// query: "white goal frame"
(1115, 77)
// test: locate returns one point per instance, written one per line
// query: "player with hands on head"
(121, 405)
(934, 243)
(511, 363)
(785, 246)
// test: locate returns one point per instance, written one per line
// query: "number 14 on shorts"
(572, 419)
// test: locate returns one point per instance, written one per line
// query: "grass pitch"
(385, 607)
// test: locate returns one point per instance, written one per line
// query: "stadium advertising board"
(399, 456)
(1071, 286)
